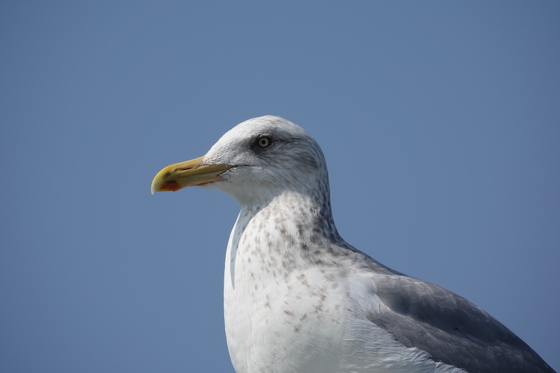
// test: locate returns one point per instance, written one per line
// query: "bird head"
(257, 159)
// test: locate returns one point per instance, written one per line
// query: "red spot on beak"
(169, 186)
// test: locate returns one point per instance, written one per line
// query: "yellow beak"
(181, 175)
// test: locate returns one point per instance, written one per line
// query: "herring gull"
(298, 298)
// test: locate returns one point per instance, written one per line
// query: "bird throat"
(281, 235)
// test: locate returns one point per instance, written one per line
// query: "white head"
(253, 162)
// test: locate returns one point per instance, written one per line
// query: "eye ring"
(264, 142)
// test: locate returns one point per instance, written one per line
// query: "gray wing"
(450, 328)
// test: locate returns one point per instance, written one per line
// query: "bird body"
(298, 298)
(291, 306)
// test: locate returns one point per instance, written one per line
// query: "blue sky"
(440, 122)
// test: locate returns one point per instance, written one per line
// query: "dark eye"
(264, 142)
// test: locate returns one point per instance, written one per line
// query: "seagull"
(298, 298)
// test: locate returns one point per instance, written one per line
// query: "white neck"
(291, 222)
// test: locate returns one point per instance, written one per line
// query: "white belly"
(284, 330)
(289, 329)
(310, 320)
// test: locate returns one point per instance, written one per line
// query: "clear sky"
(440, 122)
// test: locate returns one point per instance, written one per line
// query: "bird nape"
(298, 298)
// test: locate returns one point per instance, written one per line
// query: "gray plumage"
(449, 327)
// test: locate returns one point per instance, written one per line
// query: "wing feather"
(450, 328)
